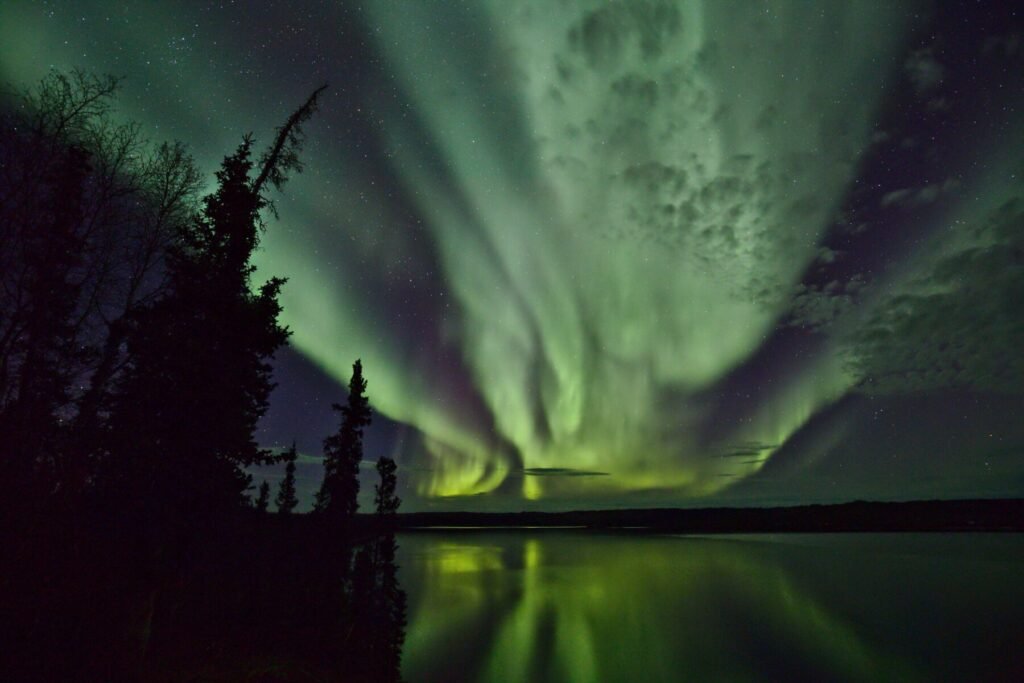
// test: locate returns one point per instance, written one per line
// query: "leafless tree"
(87, 209)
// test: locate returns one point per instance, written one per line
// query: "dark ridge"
(935, 515)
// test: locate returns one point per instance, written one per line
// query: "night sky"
(621, 253)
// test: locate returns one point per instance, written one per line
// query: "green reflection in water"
(583, 607)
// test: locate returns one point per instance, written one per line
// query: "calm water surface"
(538, 606)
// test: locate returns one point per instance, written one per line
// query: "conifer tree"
(384, 492)
(263, 499)
(286, 499)
(183, 424)
(343, 451)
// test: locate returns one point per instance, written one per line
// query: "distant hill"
(937, 515)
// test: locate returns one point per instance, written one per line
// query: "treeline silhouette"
(135, 364)
(857, 516)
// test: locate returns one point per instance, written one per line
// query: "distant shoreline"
(1005, 515)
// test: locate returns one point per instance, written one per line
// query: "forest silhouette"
(135, 364)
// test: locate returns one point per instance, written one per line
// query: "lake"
(571, 605)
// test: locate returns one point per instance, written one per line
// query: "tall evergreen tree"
(286, 499)
(263, 499)
(182, 428)
(343, 451)
(384, 492)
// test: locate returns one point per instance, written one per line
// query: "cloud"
(923, 70)
(1004, 46)
(746, 450)
(827, 255)
(957, 324)
(896, 196)
(560, 472)
(913, 198)
(606, 35)
(815, 306)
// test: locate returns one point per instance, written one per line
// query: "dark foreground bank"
(268, 598)
(939, 515)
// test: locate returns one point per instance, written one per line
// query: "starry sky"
(618, 253)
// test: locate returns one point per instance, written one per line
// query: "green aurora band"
(630, 214)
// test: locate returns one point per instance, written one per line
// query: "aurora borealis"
(624, 252)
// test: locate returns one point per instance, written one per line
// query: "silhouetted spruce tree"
(183, 423)
(385, 500)
(286, 499)
(343, 451)
(263, 499)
